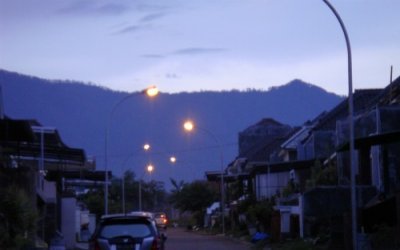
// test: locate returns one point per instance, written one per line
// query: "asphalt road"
(180, 239)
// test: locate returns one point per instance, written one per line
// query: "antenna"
(1, 103)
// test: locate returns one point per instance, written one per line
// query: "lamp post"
(146, 147)
(351, 127)
(189, 126)
(149, 169)
(150, 92)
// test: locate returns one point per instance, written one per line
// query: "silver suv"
(126, 231)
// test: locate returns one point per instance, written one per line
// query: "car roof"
(142, 213)
(138, 214)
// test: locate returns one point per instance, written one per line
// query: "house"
(376, 123)
(256, 144)
(44, 164)
(377, 145)
(270, 164)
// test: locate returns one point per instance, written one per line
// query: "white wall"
(68, 207)
(46, 189)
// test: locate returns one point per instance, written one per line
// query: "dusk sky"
(192, 45)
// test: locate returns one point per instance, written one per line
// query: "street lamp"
(189, 126)
(151, 92)
(172, 159)
(351, 127)
(149, 169)
(146, 147)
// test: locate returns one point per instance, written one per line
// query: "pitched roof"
(260, 151)
(391, 94)
(263, 126)
(363, 100)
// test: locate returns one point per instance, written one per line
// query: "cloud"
(133, 28)
(129, 29)
(194, 51)
(152, 56)
(186, 51)
(93, 8)
(171, 76)
(112, 8)
(151, 17)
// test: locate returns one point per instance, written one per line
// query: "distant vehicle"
(161, 220)
(149, 215)
(136, 230)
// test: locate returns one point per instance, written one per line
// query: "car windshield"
(134, 230)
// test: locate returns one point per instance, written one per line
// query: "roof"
(390, 94)
(261, 149)
(216, 176)
(264, 151)
(19, 138)
(302, 132)
(363, 100)
(262, 127)
(15, 131)
(84, 175)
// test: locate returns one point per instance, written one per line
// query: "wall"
(68, 207)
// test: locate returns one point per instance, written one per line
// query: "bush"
(259, 214)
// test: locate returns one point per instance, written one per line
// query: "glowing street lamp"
(172, 159)
(150, 92)
(189, 126)
(146, 147)
(149, 169)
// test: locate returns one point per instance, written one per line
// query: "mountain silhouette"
(81, 113)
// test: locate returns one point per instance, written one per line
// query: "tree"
(195, 196)
(322, 176)
(17, 217)
(259, 214)
(153, 195)
(177, 185)
(94, 201)
(131, 191)
(175, 193)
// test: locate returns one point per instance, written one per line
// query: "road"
(179, 239)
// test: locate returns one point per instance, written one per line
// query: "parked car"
(161, 220)
(135, 230)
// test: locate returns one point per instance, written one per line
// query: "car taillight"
(156, 245)
(94, 245)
